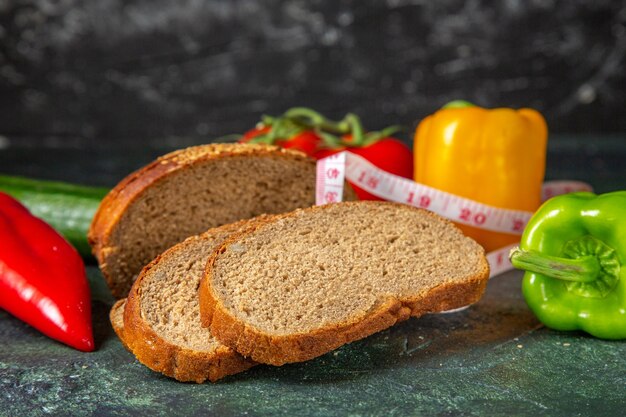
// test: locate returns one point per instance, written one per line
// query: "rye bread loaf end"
(189, 191)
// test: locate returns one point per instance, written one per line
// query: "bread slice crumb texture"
(189, 191)
(326, 266)
(169, 289)
(169, 301)
(162, 317)
(211, 194)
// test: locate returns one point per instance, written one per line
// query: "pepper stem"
(458, 104)
(583, 269)
(312, 119)
(348, 132)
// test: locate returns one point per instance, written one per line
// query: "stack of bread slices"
(240, 269)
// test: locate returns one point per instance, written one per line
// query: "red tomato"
(388, 154)
(253, 133)
(305, 141)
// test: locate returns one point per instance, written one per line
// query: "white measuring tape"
(333, 170)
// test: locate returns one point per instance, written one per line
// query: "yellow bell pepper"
(496, 157)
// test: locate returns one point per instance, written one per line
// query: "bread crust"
(116, 202)
(281, 349)
(175, 361)
(118, 327)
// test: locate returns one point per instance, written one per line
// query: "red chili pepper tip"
(42, 277)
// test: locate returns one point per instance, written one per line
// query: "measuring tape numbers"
(332, 171)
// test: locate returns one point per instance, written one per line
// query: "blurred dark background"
(173, 73)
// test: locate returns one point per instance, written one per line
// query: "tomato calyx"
(345, 133)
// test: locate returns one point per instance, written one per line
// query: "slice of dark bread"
(161, 322)
(307, 282)
(189, 191)
(116, 315)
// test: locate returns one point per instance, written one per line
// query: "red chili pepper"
(42, 277)
(310, 132)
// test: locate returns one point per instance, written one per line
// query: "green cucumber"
(66, 207)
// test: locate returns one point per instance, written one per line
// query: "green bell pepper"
(574, 252)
